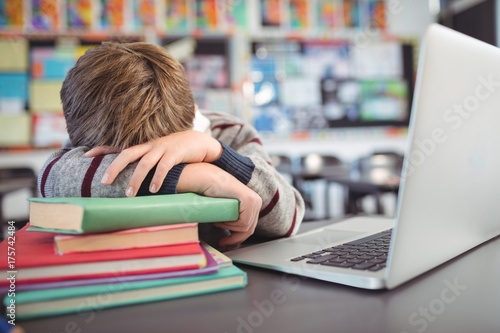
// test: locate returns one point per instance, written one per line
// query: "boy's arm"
(238, 151)
(282, 205)
(69, 173)
(156, 158)
(210, 180)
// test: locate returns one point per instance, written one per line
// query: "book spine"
(105, 219)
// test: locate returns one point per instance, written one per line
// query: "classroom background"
(317, 78)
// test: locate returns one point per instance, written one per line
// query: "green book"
(58, 301)
(94, 215)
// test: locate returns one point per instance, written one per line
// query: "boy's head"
(122, 95)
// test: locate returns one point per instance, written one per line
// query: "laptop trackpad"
(323, 238)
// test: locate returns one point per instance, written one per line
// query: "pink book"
(211, 267)
(128, 239)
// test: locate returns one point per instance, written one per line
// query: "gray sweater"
(68, 173)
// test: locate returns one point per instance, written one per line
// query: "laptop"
(447, 201)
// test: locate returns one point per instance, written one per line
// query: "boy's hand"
(210, 180)
(164, 153)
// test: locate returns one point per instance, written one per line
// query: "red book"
(31, 258)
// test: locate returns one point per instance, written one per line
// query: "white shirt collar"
(201, 123)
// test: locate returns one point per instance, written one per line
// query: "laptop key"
(347, 256)
(310, 255)
(338, 264)
(367, 239)
(321, 259)
(356, 261)
(376, 268)
(337, 260)
(377, 261)
(364, 265)
(338, 253)
(365, 257)
(368, 253)
(375, 254)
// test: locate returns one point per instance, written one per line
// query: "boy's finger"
(241, 225)
(246, 223)
(232, 226)
(146, 163)
(162, 168)
(101, 150)
(123, 159)
(235, 238)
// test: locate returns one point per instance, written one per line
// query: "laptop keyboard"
(368, 253)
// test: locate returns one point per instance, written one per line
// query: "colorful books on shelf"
(15, 129)
(82, 14)
(92, 215)
(177, 16)
(188, 15)
(12, 14)
(46, 15)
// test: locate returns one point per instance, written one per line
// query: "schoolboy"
(131, 105)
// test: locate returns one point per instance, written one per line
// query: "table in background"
(461, 296)
(356, 186)
(13, 179)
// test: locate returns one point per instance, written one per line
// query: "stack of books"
(81, 254)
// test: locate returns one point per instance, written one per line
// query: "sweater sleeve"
(68, 173)
(241, 167)
(245, 158)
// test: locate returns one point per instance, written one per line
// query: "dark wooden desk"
(461, 296)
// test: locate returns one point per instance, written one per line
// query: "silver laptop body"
(447, 202)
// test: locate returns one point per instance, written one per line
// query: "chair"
(311, 168)
(377, 173)
(282, 163)
(13, 179)
(314, 165)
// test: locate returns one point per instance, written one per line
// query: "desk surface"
(462, 295)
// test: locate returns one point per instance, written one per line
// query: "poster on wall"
(332, 85)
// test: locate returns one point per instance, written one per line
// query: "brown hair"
(124, 94)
